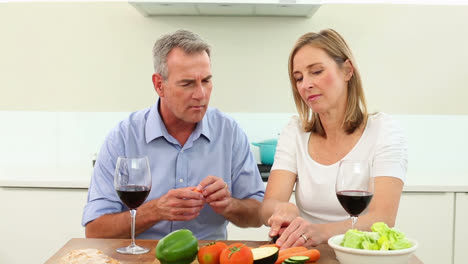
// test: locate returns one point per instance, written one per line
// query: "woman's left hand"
(300, 233)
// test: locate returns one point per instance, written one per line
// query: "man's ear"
(348, 70)
(158, 84)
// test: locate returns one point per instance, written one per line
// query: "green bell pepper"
(178, 247)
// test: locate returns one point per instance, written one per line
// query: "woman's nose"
(307, 82)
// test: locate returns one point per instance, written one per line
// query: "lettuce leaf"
(382, 237)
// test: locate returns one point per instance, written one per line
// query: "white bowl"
(363, 256)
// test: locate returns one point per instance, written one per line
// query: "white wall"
(97, 56)
(59, 146)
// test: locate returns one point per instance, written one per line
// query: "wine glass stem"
(133, 215)
(353, 221)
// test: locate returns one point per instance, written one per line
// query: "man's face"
(185, 93)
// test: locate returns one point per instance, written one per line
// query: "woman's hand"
(282, 216)
(301, 233)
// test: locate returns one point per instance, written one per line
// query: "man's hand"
(216, 193)
(179, 205)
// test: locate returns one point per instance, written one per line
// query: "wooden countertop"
(108, 246)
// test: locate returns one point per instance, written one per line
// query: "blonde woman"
(333, 125)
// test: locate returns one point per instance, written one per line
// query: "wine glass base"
(133, 250)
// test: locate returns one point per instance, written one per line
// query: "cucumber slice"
(299, 258)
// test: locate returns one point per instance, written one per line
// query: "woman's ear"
(348, 70)
(158, 84)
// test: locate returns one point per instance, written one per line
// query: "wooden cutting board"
(108, 246)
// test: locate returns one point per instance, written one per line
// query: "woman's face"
(321, 83)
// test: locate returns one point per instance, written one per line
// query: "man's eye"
(207, 81)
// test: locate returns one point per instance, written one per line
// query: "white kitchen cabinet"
(298, 8)
(254, 234)
(461, 229)
(422, 216)
(40, 220)
(428, 218)
(36, 222)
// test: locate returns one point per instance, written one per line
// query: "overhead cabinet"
(298, 8)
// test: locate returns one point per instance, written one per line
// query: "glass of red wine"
(132, 182)
(354, 187)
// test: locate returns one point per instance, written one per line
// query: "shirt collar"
(202, 128)
(156, 128)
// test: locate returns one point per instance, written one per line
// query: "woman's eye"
(317, 72)
(298, 80)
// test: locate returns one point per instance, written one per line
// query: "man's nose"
(200, 91)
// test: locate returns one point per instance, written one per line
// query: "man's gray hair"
(188, 41)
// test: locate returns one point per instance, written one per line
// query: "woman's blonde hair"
(335, 46)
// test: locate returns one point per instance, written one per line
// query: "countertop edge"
(80, 184)
(69, 184)
(435, 188)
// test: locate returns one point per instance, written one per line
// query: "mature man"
(190, 147)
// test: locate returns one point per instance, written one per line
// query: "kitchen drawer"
(428, 218)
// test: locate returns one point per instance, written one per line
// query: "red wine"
(354, 202)
(133, 195)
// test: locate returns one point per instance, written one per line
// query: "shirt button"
(182, 151)
(181, 180)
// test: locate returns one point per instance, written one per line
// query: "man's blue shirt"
(217, 146)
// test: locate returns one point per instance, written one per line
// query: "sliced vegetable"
(178, 247)
(265, 255)
(299, 258)
(296, 260)
(312, 254)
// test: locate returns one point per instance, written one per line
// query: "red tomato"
(237, 253)
(209, 253)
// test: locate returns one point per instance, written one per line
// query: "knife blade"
(273, 239)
